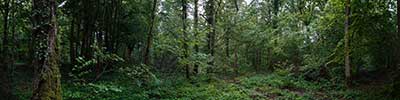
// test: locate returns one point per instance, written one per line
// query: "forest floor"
(247, 86)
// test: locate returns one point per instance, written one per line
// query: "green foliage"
(140, 74)
(84, 68)
(102, 91)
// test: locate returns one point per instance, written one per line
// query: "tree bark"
(275, 11)
(236, 62)
(346, 44)
(185, 45)
(89, 20)
(396, 82)
(47, 84)
(397, 38)
(236, 59)
(5, 24)
(72, 42)
(149, 42)
(211, 21)
(5, 81)
(196, 33)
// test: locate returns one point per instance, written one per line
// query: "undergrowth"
(273, 86)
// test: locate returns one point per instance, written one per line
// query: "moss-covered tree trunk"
(46, 83)
(346, 44)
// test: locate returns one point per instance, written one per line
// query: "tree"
(47, 84)
(196, 33)
(397, 52)
(89, 19)
(149, 42)
(397, 37)
(72, 42)
(211, 20)
(74, 29)
(6, 7)
(185, 36)
(346, 43)
(6, 89)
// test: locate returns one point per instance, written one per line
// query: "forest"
(199, 50)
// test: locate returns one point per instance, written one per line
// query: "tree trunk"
(78, 43)
(346, 44)
(185, 45)
(236, 62)
(5, 79)
(396, 82)
(227, 47)
(128, 53)
(296, 62)
(72, 42)
(196, 26)
(88, 28)
(107, 35)
(236, 59)
(146, 55)
(47, 84)
(397, 38)
(5, 83)
(5, 24)
(211, 21)
(270, 59)
(275, 11)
